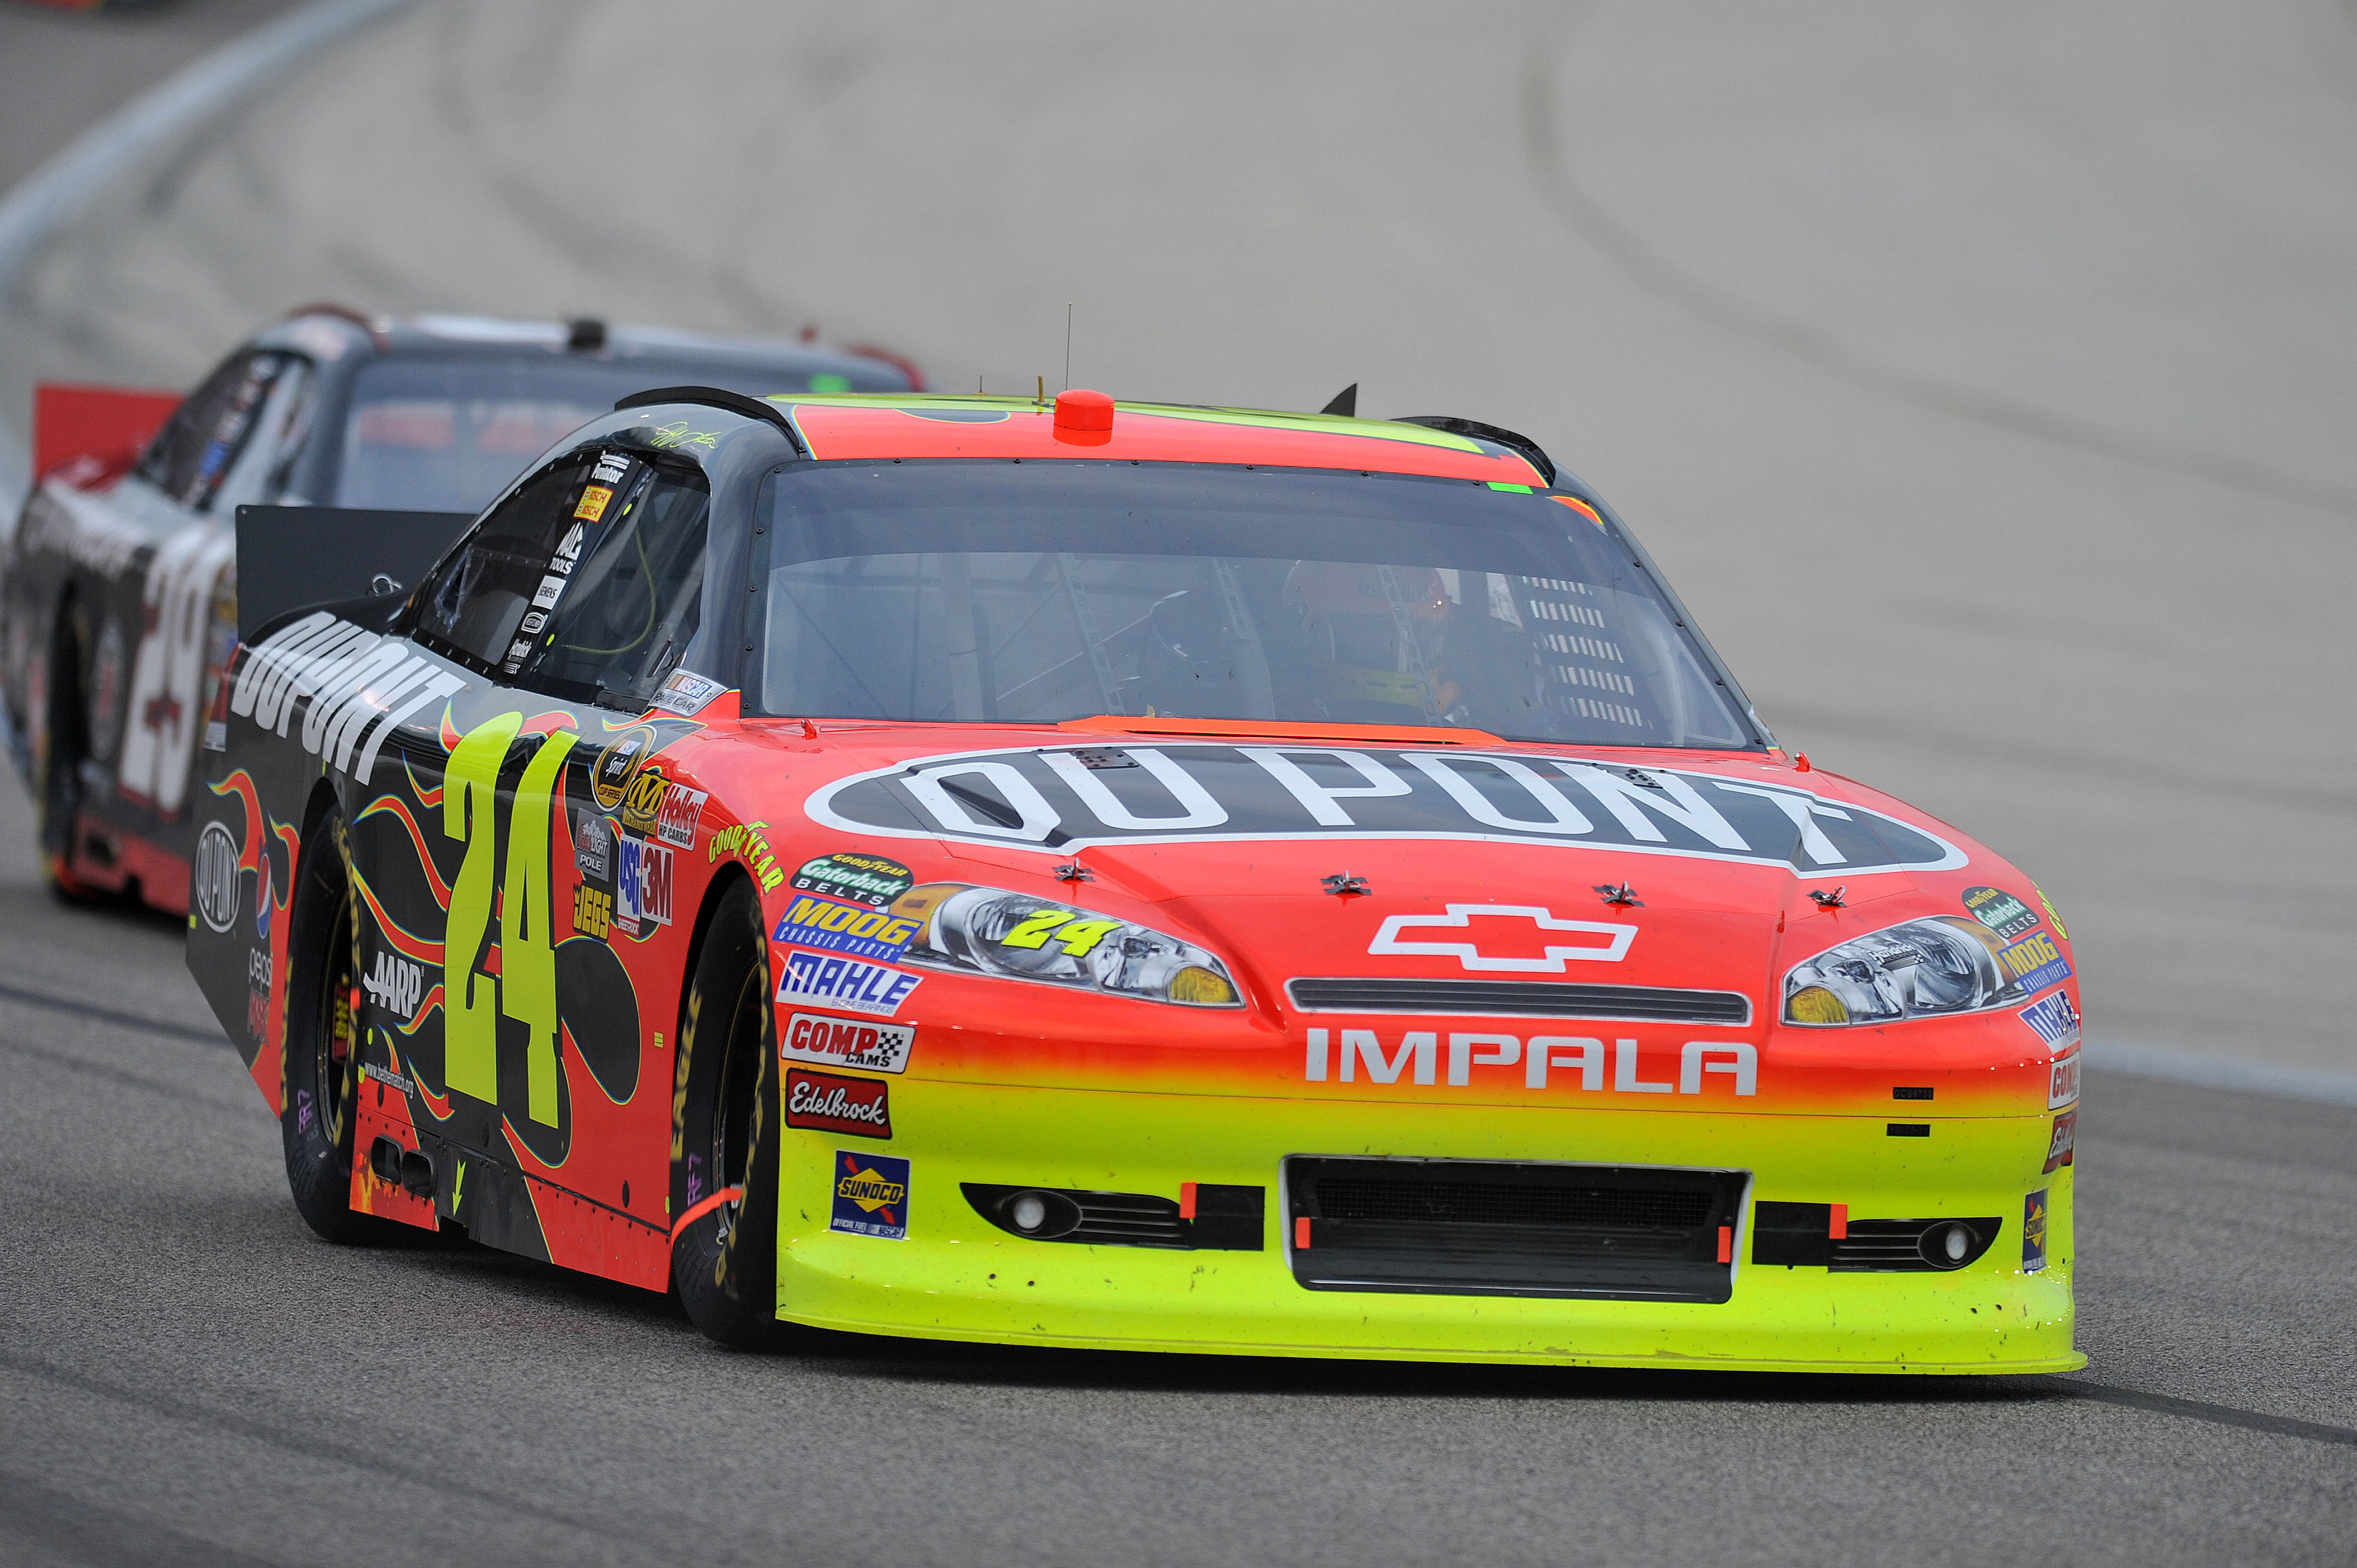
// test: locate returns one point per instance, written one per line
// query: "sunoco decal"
(871, 1194)
(1051, 801)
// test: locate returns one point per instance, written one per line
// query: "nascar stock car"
(1125, 875)
(120, 595)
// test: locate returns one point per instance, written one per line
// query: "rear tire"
(724, 1135)
(321, 1060)
(67, 731)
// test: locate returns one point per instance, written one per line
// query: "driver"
(1378, 636)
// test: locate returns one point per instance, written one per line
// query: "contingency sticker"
(2000, 911)
(2055, 1021)
(611, 775)
(846, 928)
(2036, 962)
(830, 980)
(2061, 1145)
(871, 1194)
(686, 694)
(847, 1042)
(2062, 1083)
(871, 879)
(859, 1107)
(2033, 1232)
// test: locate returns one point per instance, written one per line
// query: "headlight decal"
(1921, 969)
(1022, 935)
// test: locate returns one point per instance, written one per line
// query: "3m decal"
(2033, 1231)
(2061, 1144)
(871, 1194)
(2063, 1082)
(847, 1042)
(213, 878)
(2036, 962)
(593, 501)
(870, 879)
(618, 765)
(848, 928)
(686, 694)
(1051, 801)
(395, 985)
(2055, 1021)
(593, 846)
(642, 886)
(360, 686)
(1543, 1062)
(2000, 911)
(676, 816)
(523, 987)
(830, 980)
(1502, 927)
(642, 802)
(861, 1107)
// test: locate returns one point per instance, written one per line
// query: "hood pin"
(1342, 883)
(1073, 871)
(1832, 900)
(1623, 895)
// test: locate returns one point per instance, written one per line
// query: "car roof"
(912, 425)
(330, 334)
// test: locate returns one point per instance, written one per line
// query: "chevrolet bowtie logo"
(1468, 952)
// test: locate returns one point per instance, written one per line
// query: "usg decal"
(642, 883)
(1052, 802)
(847, 1042)
(1447, 935)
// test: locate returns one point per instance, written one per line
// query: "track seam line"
(2200, 1409)
(109, 1015)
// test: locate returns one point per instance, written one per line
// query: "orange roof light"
(1077, 408)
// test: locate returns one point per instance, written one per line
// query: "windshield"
(447, 434)
(1036, 592)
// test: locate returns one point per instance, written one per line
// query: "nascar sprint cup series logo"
(1060, 799)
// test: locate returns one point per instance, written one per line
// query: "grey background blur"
(1982, 375)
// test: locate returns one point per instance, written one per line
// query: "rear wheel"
(322, 1061)
(66, 730)
(724, 1135)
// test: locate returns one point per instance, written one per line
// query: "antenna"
(1067, 344)
(1041, 401)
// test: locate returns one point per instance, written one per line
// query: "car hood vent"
(1520, 998)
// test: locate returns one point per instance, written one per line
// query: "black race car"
(121, 596)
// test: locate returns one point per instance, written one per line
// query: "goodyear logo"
(823, 923)
(2000, 911)
(871, 1194)
(2036, 962)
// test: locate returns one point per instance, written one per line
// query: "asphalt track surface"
(1982, 380)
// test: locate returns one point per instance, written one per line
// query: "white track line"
(147, 124)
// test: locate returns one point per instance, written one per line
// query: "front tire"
(321, 1059)
(724, 1135)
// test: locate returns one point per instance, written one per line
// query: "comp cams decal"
(1051, 801)
(847, 1042)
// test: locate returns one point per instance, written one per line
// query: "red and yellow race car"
(1082, 874)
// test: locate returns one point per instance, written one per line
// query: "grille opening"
(1519, 998)
(1498, 1228)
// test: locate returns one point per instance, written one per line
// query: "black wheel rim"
(741, 1068)
(336, 1022)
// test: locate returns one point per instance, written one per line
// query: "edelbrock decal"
(1188, 792)
(361, 686)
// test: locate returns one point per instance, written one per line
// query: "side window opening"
(203, 439)
(587, 583)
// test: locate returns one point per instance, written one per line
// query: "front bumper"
(957, 1276)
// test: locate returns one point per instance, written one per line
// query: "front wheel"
(321, 1060)
(724, 1182)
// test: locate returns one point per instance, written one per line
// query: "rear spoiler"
(293, 557)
